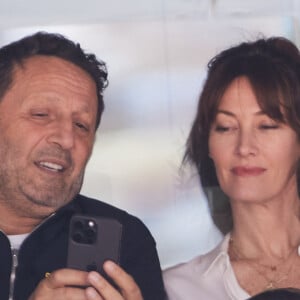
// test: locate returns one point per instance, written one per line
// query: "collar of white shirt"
(208, 276)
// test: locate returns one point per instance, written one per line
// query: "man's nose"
(62, 134)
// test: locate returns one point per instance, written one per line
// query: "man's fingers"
(62, 285)
(128, 289)
(124, 281)
(42, 293)
(92, 294)
(66, 277)
(103, 287)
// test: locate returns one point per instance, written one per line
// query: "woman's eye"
(268, 126)
(221, 128)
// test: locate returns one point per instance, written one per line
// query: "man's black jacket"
(45, 250)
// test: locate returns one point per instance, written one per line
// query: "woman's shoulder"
(197, 265)
(198, 278)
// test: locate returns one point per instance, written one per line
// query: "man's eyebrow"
(53, 99)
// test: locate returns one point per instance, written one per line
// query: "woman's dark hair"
(43, 43)
(272, 67)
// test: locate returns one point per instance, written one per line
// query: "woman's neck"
(266, 230)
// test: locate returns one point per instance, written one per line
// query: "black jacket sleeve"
(139, 258)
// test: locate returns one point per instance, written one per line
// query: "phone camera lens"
(84, 231)
(90, 236)
(89, 232)
(78, 225)
(78, 237)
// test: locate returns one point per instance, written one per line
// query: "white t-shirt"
(17, 240)
(208, 276)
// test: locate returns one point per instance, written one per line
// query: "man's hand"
(102, 290)
(65, 284)
(62, 284)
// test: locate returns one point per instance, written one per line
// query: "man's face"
(47, 130)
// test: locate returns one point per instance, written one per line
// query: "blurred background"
(156, 52)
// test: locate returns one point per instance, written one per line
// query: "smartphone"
(92, 241)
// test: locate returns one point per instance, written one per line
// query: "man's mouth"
(51, 166)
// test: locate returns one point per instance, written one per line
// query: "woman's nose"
(246, 143)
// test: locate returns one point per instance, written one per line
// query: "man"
(50, 107)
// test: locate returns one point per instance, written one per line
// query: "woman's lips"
(247, 171)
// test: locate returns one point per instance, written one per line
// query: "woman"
(248, 127)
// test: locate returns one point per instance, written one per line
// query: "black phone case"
(92, 241)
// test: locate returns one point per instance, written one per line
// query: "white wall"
(156, 56)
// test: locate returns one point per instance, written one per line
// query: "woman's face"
(255, 157)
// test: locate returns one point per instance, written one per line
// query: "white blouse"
(208, 276)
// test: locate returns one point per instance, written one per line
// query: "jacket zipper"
(14, 266)
(14, 253)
